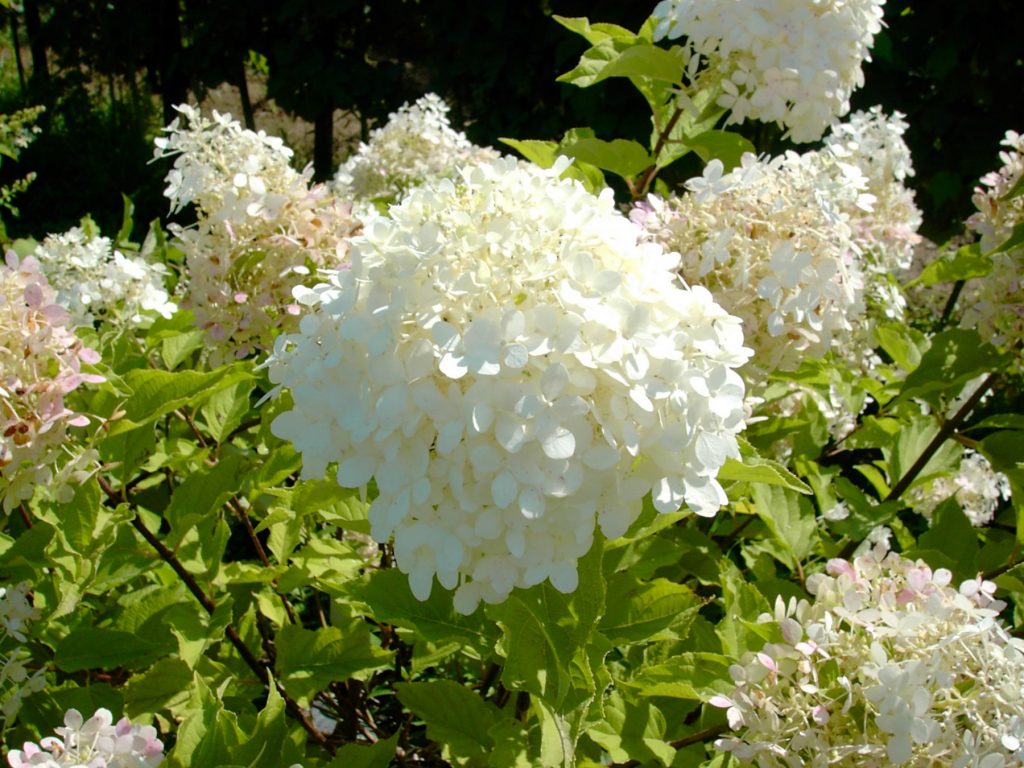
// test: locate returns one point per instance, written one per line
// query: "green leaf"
(226, 409)
(204, 491)
(164, 685)
(455, 717)
(955, 357)
(377, 755)
(632, 731)
(637, 610)
(1003, 449)
(1015, 239)
(789, 517)
(754, 469)
(125, 233)
(911, 443)
(595, 33)
(308, 661)
(269, 745)
(952, 534)
(619, 57)
(94, 648)
(542, 153)
(966, 263)
(156, 393)
(902, 343)
(623, 158)
(694, 676)
(726, 146)
(387, 594)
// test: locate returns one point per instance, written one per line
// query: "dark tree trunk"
(243, 91)
(169, 59)
(16, 44)
(40, 79)
(323, 145)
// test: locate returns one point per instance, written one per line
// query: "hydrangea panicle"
(790, 62)
(98, 742)
(262, 229)
(510, 365)
(40, 364)
(977, 488)
(416, 145)
(94, 281)
(889, 665)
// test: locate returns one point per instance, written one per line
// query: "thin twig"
(230, 632)
(648, 175)
(242, 515)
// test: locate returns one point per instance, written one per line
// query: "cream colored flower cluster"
(94, 281)
(769, 241)
(790, 62)
(40, 363)
(416, 145)
(261, 230)
(994, 304)
(510, 366)
(16, 680)
(889, 665)
(977, 488)
(98, 742)
(885, 230)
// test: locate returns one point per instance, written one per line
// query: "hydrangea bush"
(698, 483)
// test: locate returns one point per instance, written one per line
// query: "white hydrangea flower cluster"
(886, 230)
(261, 230)
(416, 145)
(790, 62)
(16, 681)
(889, 665)
(508, 363)
(994, 304)
(977, 488)
(94, 281)
(98, 742)
(768, 240)
(40, 363)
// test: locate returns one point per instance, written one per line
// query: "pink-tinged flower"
(40, 364)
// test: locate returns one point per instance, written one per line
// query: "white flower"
(977, 488)
(770, 243)
(791, 62)
(94, 743)
(416, 145)
(889, 665)
(994, 304)
(95, 282)
(40, 363)
(509, 365)
(16, 680)
(262, 230)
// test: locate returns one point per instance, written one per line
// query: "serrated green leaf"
(726, 146)
(594, 33)
(632, 731)
(754, 469)
(455, 717)
(621, 157)
(902, 343)
(789, 517)
(968, 262)
(226, 409)
(387, 594)
(637, 610)
(95, 648)
(955, 357)
(695, 676)
(542, 153)
(204, 491)
(952, 534)
(309, 660)
(165, 684)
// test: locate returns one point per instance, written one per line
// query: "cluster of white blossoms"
(994, 304)
(95, 282)
(16, 680)
(261, 229)
(98, 742)
(885, 221)
(415, 146)
(790, 62)
(40, 363)
(509, 365)
(769, 241)
(889, 665)
(977, 488)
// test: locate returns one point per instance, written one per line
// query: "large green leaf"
(966, 263)
(204, 491)
(377, 755)
(789, 517)
(309, 660)
(455, 717)
(639, 610)
(726, 146)
(955, 357)
(696, 676)
(623, 158)
(632, 731)
(95, 648)
(163, 685)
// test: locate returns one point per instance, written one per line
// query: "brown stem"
(701, 736)
(241, 514)
(230, 632)
(648, 175)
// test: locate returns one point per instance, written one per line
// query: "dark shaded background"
(109, 72)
